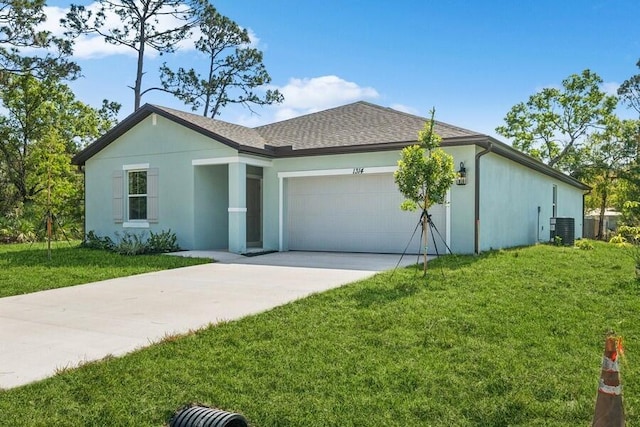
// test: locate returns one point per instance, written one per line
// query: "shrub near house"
(134, 244)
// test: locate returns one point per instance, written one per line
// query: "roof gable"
(240, 135)
(235, 136)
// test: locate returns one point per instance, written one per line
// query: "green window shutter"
(118, 196)
(152, 195)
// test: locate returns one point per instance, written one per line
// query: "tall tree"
(154, 24)
(19, 20)
(425, 174)
(60, 187)
(554, 124)
(33, 111)
(234, 69)
(629, 91)
(609, 155)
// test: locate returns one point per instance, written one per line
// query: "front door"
(254, 212)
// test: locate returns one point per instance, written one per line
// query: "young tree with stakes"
(425, 174)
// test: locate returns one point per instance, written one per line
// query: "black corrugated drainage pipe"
(477, 197)
(202, 416)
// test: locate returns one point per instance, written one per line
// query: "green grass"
(510, 338)
(25, 268)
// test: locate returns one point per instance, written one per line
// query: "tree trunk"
(425, 239)
(603, 208)
(137, 90)
(207, 99)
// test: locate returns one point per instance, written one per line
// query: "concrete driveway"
(43, 332)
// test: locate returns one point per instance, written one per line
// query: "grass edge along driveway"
(507, 338)
(25, 268)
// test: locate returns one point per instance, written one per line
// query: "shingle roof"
(360, 123)
(350, 128)
(356, 125)
(239, 134)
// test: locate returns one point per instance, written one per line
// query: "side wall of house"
(462, 201)
(170, 148)
(516, 204)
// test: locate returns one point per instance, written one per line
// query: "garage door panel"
(352, 213)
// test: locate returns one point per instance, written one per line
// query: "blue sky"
(470, 60)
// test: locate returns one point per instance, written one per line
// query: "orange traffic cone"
(609, 411)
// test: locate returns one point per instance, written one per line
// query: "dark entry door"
(254, 212)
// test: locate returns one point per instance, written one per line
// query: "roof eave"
(483, 141)
(142, 113)
(511, 153)
(286, 151)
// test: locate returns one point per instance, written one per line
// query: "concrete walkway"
(43, 332)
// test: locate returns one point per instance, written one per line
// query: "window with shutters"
(135, 195)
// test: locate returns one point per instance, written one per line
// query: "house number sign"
(358, 171)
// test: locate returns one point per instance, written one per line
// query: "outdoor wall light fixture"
(461, 178)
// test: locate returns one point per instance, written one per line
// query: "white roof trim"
(233, 159)
(136, 166)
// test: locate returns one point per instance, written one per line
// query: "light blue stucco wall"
(510, 195)
(194, 200)
(211, 199)
(462, 202)
(170, 148)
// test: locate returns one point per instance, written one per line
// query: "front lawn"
(508, 338)
(26, 268)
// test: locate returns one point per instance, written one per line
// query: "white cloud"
(255, 40)
(305, 96)
(610, 88)
(308, 95)
(405, 109)
(92, 46)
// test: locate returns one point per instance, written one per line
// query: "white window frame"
(135, 223)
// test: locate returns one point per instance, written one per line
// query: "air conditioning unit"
(564, 228)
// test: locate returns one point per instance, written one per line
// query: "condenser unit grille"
(563, 228)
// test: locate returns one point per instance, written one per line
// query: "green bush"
(162, 242)
(28, 223)
(93, 241)
(585, 245)
(618, 240)
(557, 240)
(19, 226)
(129, 243)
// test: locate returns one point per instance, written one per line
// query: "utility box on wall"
(563, 228)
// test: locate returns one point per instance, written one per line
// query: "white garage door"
(354, 213)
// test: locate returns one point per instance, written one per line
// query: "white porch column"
(238, 207)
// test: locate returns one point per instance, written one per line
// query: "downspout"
(477, 197)
(81, 169)
(584, 195)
